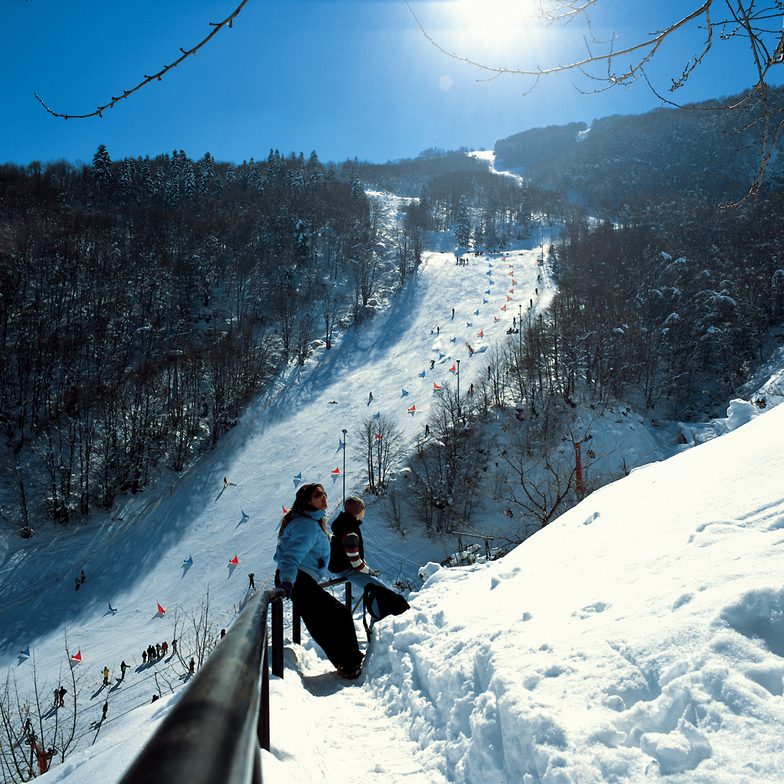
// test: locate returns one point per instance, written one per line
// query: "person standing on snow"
(105, 676)
(302, 555)
(123, 668)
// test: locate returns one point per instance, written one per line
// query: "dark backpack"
(378, 602)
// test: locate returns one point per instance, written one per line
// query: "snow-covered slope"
(637, 636)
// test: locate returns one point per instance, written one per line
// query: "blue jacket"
(303, 545)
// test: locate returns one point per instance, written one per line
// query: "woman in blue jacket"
(302, 556)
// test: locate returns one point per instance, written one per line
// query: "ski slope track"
(637, 638)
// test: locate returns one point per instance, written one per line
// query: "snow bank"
(640, 634)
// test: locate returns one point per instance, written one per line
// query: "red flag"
(514, 282)
(234, 561)
(496, 319)
(504, 307)
(412, 409)
(161, 610)
(285, 511)
(78, 656)
(435, 386)
(481, 334)
(508, 298)
(511, 291)
(378, 436)
(336, 472)
(453, 368)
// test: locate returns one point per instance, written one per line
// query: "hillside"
(698, 152)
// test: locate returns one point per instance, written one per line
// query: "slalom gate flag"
(161, 610)
(514, 282)
(453, 368)
(378, 436)
(377, 415)
(298, 477)
(504, 307)
(476, 312)
(285, 511)
(436, 387)
(412, 409)
(496, 319)
(336, 472)
(508, 298)
(404, 393)
(77, 656)
(481, 334)
(234, 561)
(26, 651)
(511, 291)
(422, 374)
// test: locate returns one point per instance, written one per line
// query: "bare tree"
(608, 65)
(380, 445)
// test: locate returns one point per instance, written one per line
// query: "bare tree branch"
(229, 21)
(763, 27)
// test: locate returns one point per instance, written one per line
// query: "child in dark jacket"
(347, 558)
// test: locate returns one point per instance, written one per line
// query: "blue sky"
(342, 77)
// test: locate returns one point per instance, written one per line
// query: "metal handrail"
(214, 732)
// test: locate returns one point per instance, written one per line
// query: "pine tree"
(102, 169)
(462, 225)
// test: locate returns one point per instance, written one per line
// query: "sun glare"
(493, 23)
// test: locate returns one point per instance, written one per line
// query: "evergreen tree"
(462, 225)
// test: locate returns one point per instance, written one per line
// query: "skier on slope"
(301, 556)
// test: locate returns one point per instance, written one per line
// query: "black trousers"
(329, 622)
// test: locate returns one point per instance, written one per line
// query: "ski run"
(638, 637)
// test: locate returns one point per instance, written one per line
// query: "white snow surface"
(638, 637)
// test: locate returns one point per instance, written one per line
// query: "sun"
(476, 27)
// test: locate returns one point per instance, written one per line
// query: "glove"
(287, 588)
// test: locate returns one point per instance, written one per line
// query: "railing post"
(276, 609)
(296, 629)
(264, 710)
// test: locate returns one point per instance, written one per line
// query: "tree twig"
(147, 79)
